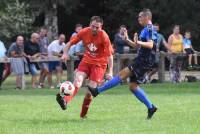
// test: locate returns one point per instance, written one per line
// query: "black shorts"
(189, 51)
(139, 69)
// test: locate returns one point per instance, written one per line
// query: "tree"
(16, 19)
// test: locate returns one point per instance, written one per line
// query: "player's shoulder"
(86, 29)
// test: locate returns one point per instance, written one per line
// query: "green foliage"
(15, 19)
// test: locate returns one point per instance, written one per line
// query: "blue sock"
(111, 83)
(140, 94)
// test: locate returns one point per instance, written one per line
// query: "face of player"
(176, 30)
(142, 19)
(43, 33)
(187, 35)
(78, 29)
(61, 39)
(95, 27)
(20, 41)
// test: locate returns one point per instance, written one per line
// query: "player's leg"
(64, 100)
(78, 81)
(95, 78)
(86, 103)
(142, 97)
(123, 74)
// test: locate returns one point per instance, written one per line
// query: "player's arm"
(128, 41)
(75, 39)
(110, 67)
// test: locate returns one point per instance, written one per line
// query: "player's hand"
(64, 57)
(108, 76)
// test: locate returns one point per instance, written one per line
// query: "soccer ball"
(67, 88)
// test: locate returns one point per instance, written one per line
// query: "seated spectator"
(2, 55)
(54, 49)
(188, 49)
(16, 52)
(175, 42)
(120, 44)
(77, 49)
(32, 51)
(44, 66)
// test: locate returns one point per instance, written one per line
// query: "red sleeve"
(108, 49)
(78, 37)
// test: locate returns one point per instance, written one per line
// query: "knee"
(88, 95)
(133, 86)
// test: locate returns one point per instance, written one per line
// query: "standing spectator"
(16, 52)
(188, 49)
(2, 55)
(120, 44)
(32, 51)
(54, 49)
(175, 42)
(77, 49)
(44, 66)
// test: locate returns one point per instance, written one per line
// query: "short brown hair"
(147, 12)
(97, 19)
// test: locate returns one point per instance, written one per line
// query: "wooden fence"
(117, 63)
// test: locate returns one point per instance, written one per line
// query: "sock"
(140, 94)
(111, 83)
(85, 106)
(69, 98)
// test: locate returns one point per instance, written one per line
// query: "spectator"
(77, 49)
(32, 51)
(44, 66)
(120, 44)
(175, 42)
(16, 52)
(161, 45)
(188, 49)
(2, 55)
(54, 49)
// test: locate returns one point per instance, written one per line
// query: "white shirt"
(2, 50)
(55, 46)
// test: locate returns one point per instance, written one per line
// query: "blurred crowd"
(21, 52)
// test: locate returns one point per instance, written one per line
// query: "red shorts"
(94, 72)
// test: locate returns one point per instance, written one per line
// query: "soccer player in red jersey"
(97, 55)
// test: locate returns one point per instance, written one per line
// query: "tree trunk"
(51, 21)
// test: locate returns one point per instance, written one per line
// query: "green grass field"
(114, 112)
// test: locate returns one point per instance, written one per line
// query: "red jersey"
(97, 48)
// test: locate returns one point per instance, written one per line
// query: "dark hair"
(78, 25)
(147, 12)
(156, 24)
(122, 26)
(97, 19)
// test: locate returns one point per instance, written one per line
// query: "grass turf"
(115, 112)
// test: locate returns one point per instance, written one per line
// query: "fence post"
(161, 67)
(117, 65)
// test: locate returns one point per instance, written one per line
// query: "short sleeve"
(78, 37)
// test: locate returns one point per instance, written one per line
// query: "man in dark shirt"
(32, 51)
(119, 43)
